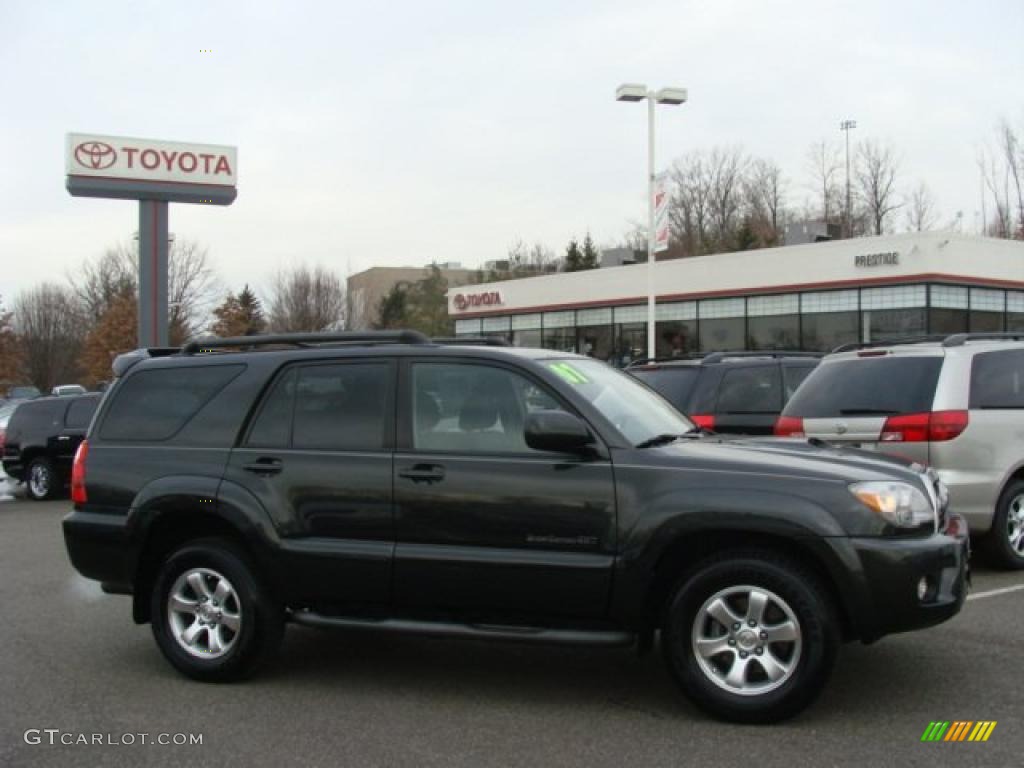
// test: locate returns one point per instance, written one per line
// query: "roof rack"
(213, 343)
(959, 339)
(899, 341)
(125, 361)
(717, 357)
(472, 341)
(677, 359)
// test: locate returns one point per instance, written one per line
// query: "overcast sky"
(395, 133)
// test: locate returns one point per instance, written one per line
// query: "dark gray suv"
(385, 482)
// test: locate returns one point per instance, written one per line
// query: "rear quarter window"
(997, 380)
(867, 386)
(152, 406)
(80, 412)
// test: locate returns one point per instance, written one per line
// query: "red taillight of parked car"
(703, 420)
(789, 426)
(78, 495)
(934, 427)
(3, 440)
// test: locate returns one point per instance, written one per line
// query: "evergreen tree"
(240, 315)
(573, 257)
(590, 258)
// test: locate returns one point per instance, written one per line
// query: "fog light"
(922, 588)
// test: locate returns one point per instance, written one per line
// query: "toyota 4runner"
(386, 482)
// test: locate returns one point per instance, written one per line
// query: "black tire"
(262, 617)
(815, 617)
(42, 482)
(996, 542)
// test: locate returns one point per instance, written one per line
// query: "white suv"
(955, 404)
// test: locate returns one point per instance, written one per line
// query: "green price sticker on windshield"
(568, 372)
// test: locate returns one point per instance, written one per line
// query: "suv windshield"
(867, 386)
(636, 411)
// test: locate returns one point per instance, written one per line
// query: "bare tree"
(726, 168)
(921, 212)
(191, 289)
(1002, 171)
(49, 327)
(307, 299)
(766, 200)
(823, 163)
(98, 283)
(877, 167)
(690, 208)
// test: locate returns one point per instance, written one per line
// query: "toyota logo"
(95, 155)
(461, 302)
(841, 427)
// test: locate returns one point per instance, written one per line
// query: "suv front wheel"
(211, 617)
(750, 637)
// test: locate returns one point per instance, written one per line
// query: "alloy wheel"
(204, 613)
(747, 640)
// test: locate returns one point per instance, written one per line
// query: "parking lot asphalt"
(71, 659)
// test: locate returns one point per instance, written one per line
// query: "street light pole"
(846, 126)
(671, 96)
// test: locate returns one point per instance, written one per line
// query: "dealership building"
(813, 297)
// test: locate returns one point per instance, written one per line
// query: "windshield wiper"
(866, 412)
(663, 439)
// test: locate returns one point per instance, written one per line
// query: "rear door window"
(750, 390)
(674, 383)
(997, 380)
(154, 405)
(342, 407)
(80, 412)
(868, 386)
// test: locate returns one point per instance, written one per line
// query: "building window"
(526, 322)
(529, 337)
(630, 344)
(719, 308)
(722, 334)
(497, 327)
(988, 310)
(829, 301)
(897, 297)
(560, 339)
(773, 322)
(893, 313)
(467, 327)
(675, 338)
(1014, 311)
(566, 319)
(773, 332)
(596, 341)
(601, 316)
(824, 331)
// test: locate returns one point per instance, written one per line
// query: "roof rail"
(677, 359)
(213, 343)
(472, 341)
(959, 339)
(921, 339)
(717, 357)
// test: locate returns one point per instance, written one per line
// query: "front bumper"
(893, 570)
(99, 548)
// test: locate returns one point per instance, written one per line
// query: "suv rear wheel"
(211, 617)
(1005, 541)
(41, 480)
(750, 637)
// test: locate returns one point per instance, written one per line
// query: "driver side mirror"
(556, 431)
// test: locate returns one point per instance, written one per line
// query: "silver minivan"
(956, 404)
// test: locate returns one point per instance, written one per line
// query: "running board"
(603, 638)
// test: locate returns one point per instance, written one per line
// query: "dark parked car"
(23, 393)
(384, 482)
(729, 392)
(41, 439)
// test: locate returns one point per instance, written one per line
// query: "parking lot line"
(994, 592)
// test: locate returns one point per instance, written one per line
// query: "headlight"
(901, 504)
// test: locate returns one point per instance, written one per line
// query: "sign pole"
(153, 234)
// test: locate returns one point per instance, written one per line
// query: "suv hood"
(789, 456)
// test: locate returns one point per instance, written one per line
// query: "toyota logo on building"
(486, 299)
(95, 155)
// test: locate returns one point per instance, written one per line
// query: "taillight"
(3, 440)
(934, 427)
(789, 426)
(703, 420)
(78, 495)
